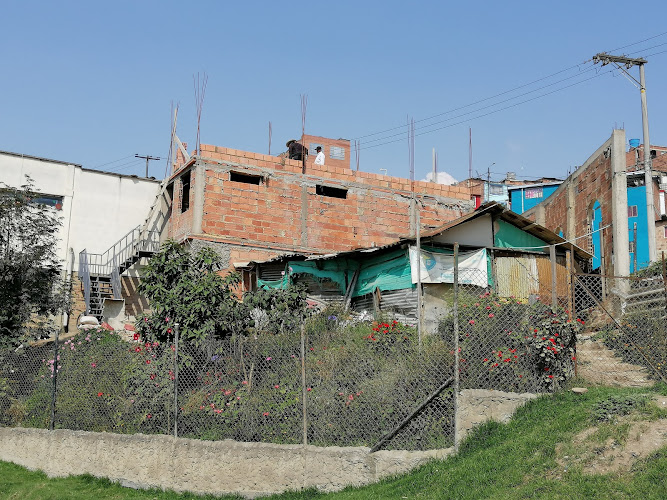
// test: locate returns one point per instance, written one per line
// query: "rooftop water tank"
(634, 143)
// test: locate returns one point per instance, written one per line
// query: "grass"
(513, 461)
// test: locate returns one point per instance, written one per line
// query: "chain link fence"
(624, 341)
(337, 381)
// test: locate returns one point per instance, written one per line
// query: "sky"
(94, 83)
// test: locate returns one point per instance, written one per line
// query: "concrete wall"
(216, 467)
(285, 211)
(476, 406)
(98, 208)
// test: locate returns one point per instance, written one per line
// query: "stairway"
(100, 273)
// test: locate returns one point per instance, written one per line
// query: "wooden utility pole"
(147, 158)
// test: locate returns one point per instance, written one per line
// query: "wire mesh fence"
(624, 341)
(336, 381)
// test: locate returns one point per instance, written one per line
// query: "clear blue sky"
(92, 82)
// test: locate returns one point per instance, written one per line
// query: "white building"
(98, 208)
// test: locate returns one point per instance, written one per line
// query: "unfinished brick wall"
(135, 303)
(180, 224)
(266, 203)
(339, 145)
(590, 183)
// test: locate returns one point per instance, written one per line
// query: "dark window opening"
(50, 201)
(332, 192)
(185, 192)
(245, 178)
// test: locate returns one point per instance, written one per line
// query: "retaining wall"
(219, 467)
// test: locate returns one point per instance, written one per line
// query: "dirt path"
(599, 365)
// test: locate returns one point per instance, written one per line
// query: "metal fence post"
(554, 279)
(456, 345)
(176, 380)
(52, 424)
(303, 384)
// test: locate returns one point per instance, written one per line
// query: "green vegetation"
(31, 284)
(511, 461)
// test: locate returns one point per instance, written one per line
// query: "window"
(632, 211)
(185, 192)
(51, 201)
(245, 178)
(532, 193)
(312, 148)
(664, 229)
(331, 191)
(336, 153)
(495, 189)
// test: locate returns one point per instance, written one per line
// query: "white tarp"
(439, 267)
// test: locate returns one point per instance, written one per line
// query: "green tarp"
(510, 236)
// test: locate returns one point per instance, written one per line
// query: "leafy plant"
(186, 288)
(31, 282)
(613, 406)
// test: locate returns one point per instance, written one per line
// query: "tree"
(186, 288)
(32, 286)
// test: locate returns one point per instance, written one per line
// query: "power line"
(490, 112)
(479, 101)
(487, 107)
(637, 43)
(114, 161)
(401, 127)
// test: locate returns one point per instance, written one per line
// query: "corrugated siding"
(530, 275)
(398, 304)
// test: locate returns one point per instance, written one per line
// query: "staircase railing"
(117, 259)
(84, 276)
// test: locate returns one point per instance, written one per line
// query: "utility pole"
(147, 158)
(628, 62)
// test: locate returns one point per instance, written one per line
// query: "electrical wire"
(486, 114)
(485, 107)
(402, 127)
(637, 43)
(479, 101)
(110, 162)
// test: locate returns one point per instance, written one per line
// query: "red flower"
(266, 413)
(551, 376)
(100, 394)
(135, 336)
(148, 361)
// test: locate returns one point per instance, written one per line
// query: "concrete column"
(197, 203)
(619, 206)
(571, 229)
(540, 215)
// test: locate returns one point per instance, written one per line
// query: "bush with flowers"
(104, 383)
(508, 344)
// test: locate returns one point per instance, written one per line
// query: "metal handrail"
(84, 275)
(109, 262)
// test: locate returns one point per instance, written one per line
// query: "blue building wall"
(517, 196)
(596, 235)
(637, 198)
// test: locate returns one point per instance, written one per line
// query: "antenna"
(200, 92)
(270, 131)
(469, 152)
(357, 148)
(304, 109)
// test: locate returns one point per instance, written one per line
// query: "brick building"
(250, 206)
(603, 206)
